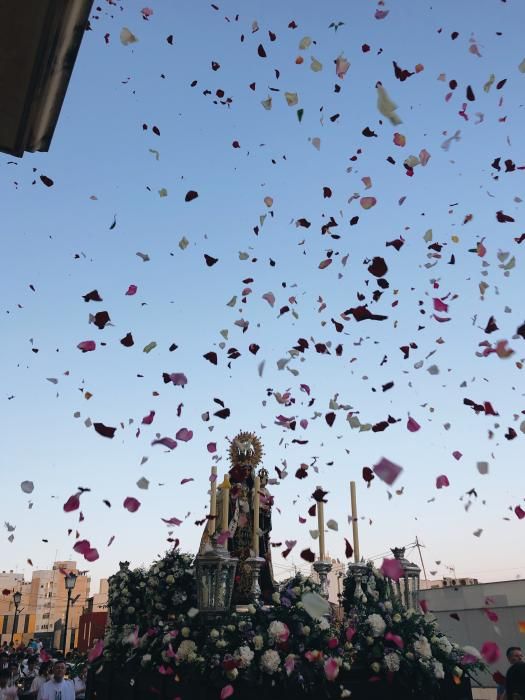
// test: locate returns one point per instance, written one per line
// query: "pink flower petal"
(132, 289)
(270, 298)
(96, 651)
(399, 139)
(303, 423)
(457, 454)
(392, 568)
(395, 639)
(424, 156)
(91, 555)
(168, 442)
(442, 481)
(211, 447)
(519, 512)
(178, 379)
(490, 652)
(381, 14)
(440, 305)
(171, 521)
(305, 388)
(349, 633)
(148, 420)
(412, 425)
(387, 471)
(331, 669)
(184, 435)
(227, 691)
(87, 345)
(131, 504)
(72, 503)
(289, 664)
(368, 202)
(82, 546)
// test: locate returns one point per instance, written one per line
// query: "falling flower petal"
(131, 504)
(387, 471)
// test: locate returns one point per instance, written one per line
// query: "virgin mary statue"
(245, 455)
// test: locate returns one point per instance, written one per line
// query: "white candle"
(212, 524)
(355, 529)
(256, 504)
(225, 490)
(320, 526)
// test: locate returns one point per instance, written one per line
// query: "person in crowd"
(38, 681)
(14, 670)
(514, 655)
(7, 692)
(80, 684)
(515, 682)
(28, 673)
(58, 686)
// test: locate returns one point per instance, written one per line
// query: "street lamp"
(17, 597)
(70, 581)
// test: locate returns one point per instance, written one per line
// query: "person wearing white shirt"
(7, 692)
(58, 688)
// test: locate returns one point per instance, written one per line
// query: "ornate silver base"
(256, 564)
(322, 569)
(357, 571)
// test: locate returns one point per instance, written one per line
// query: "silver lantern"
(215, 570)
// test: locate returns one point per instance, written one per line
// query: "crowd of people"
(31, 673)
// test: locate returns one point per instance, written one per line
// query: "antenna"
(419, 545)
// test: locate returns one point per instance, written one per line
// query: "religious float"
(217, 625)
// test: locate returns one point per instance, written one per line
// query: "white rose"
(214, 634)
(232, 674)
(258, 642)
(306, 630)
(422, 647)
(185, 631)
(437, 667)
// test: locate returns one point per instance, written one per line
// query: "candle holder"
(256, 564)
(357, 571)
(322, 569)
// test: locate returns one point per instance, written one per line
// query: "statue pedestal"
(322, 569)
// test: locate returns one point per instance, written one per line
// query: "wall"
(505, 598)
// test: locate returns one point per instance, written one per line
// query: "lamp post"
(70, 581)
(17, 597)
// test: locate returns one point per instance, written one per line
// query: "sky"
(141, 126)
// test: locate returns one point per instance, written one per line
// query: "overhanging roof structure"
(39, 43)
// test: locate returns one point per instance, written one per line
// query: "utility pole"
(419, 545)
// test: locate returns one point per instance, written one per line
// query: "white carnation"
(244, 655)
(270, 661)
(444, 645)
(438, 669)
(422, 647)
(392, 662)
(277, 630)
(377, 624)
(186, 649)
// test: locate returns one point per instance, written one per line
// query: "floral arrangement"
(289, 649)
(290, 644)
(398, 644)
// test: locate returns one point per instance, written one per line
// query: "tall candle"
(355, 527)
(256, 504)
(320, 526)
(225, 490)
(212, 522)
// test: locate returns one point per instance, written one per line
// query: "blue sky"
(59, 240)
